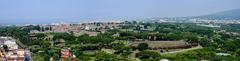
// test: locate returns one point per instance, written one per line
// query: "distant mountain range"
(224, 15)
(230, 14)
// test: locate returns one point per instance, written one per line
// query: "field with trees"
(133, 42)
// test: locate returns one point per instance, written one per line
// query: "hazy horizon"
(46, 11)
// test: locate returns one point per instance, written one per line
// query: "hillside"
(230, 14)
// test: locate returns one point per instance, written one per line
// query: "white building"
(10, 42)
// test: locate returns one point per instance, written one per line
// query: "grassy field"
(160, 43)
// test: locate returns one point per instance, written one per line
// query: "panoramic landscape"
(121, 30)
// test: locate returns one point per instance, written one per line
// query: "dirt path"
(183, 50)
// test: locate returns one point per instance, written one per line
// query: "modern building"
(14, 53)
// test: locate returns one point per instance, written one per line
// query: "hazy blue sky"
(33, 11)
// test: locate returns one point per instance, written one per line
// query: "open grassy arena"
(154, 44)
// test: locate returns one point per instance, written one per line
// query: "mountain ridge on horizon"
(229, 14)
(233, 14)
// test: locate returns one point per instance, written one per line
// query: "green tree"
(142, 46)
(200, 54)
(138, 28)
(230, 45)
(238, 53)
(5, 47)
(38, 58)
(134, 22)
(103, 56)
(147, 54)
(117, 46)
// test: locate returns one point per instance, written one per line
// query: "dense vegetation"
(214, 40)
